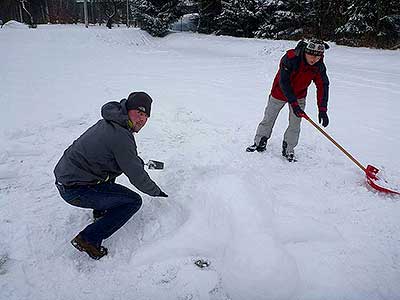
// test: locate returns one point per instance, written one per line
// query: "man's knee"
(136, 203)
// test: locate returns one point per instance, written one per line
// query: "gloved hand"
(323, 116)
(297, 110)
(162, 194)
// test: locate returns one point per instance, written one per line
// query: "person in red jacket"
(297, 69)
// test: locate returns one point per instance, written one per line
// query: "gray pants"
(272, 110)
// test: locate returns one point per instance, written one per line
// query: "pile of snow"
(15, 25)
(129, 37)
(270, 229)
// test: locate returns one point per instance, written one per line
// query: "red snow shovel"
(370, 172)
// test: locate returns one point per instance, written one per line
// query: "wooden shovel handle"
(335, 143)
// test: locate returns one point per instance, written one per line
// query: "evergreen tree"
(284, 19)
(324, 17)
(239, 18)
(361, 17)
(388, 26)
(371, 23)
(155, 16)
(208, 12)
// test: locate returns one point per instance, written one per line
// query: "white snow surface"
(270, 229)
(15, 25)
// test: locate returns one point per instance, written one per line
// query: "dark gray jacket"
(105, 151)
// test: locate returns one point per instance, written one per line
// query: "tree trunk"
(44, 9)
(32, 23)
(110, 17)
(21, 18)
(92, 4)
(60, 4)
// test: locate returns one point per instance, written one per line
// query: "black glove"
(297, 109)
(322, 116)
(162, 194)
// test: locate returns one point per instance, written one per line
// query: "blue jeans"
(120, 202)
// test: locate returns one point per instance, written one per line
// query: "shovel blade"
(374, 181)
(155, 165)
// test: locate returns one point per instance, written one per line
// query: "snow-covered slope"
(270, 229)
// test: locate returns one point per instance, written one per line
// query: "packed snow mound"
(15, 25)
(198, 44)
(130, 37)
(117, 37)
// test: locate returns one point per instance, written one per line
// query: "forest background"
(365, 23)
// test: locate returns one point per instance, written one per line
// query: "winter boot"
(284, 147)
(260, 147)
(95, 252)
(98, 214)
(289, 155)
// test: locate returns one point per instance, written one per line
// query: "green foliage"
(155, 16)
(352, 22)
(239, 18)
(284, 19)
(209, 10)
(371, 23)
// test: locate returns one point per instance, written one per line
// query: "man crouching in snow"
(85, 174)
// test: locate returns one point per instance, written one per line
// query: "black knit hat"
(140, 101)
(316, 47)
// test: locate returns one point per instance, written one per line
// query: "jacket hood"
(116, 112)
(299, 50)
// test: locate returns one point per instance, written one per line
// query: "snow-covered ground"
(270, 229)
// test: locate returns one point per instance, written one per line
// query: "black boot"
(289, 155)
(260, 147)
(284, 146)
(251, 148)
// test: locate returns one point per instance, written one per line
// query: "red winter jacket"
(295, 75)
